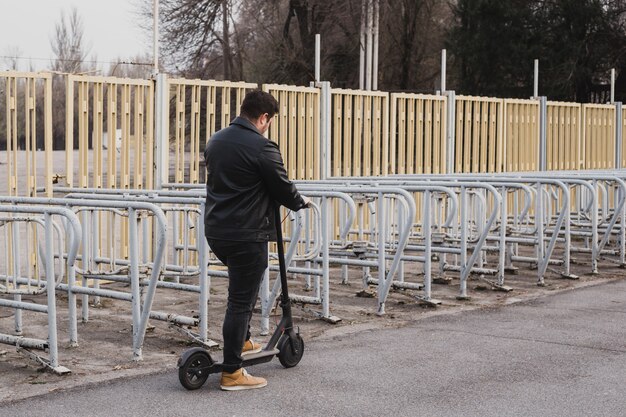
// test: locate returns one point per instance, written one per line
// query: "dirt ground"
(105, 351)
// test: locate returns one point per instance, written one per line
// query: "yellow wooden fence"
(417, 134)
(110, 122)
(598, 136)
(195, 110)
(360, 133)
(25, 101)
(521, 133)
(115, 122)
(563, 136)
(478, 134)
(623, 156)
(296, 129)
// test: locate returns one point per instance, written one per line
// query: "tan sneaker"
(250, 347)
(240, 380)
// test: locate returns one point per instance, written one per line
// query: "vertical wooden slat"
(484, 137)
(623, 135)
(98, 127)
(347, 134)
(476, 138)
(561, 156)
(112, 134)
(194, 151)
(436, 138)
(338, 157)
(443, 136)
(137, 136)
(179, 157)
(428, 136)
(501, 138)
(28, 134)
(211, 109)
(583, 140)
(367, 136)
(512, 145)
(225, 107)
(357, 149)
(69, 130)
(301, 138)
(125, 151)
(458, 154)
(492, 124)
(405, 150)
(415, 137)
(149, 110)
(48, 134)
(291, 139)
(315, 122)
(467, 139)
(83, 132)
(378, 139)
(395, 129)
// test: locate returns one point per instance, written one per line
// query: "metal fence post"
(450, 130)
(325, 128)
(161, 137)
(543, 125)
(618, 134)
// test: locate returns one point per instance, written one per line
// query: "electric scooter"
(196, 364)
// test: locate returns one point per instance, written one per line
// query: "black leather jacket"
(246, 177)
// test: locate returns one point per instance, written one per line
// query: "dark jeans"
(246, 262)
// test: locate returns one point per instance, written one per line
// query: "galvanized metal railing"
(140, 310)
(16, 284)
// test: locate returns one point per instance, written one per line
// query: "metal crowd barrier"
(425, 233)
(306, 232)
(379, 233)
(317, 240)
(388, 234)
(187, 243)
(193, 251)
(471, 224)
(14, 283)
(140, 310)
(556, 216)
(574, 212)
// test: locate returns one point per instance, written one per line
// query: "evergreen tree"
(494, 44)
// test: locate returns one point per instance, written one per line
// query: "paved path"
(562, 355)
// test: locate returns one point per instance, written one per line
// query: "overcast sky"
(111, 30)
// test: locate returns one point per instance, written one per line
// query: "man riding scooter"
(246, 180)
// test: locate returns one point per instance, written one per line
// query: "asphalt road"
(562, 355)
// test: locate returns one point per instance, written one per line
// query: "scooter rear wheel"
(194, 372)
(290, 353)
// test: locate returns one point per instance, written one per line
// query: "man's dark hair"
(257, 102)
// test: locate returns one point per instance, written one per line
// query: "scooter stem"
(285, 303)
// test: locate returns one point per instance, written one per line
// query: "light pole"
(155, 36)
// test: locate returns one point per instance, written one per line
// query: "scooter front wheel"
(194, 372)
(291, 350)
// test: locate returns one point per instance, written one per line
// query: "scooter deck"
(261, 357)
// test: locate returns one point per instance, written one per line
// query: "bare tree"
(228, 58)
(69, 55)
(67, 43)
(194, 35)
(411, 40)
(274, 40)
(280, 40)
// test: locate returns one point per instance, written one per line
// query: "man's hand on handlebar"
(307, 202)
